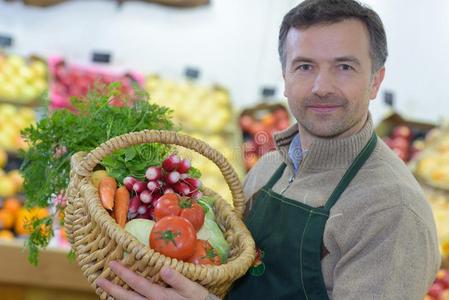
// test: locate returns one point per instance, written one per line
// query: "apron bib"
(289, 237)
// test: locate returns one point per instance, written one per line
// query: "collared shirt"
(295, 152)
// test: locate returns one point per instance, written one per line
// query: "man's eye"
(304, 67)
(346, 67)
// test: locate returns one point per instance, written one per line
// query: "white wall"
(234, 43)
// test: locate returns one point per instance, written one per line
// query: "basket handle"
(167, 137)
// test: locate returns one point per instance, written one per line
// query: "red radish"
(194, 183)
(181, 188)
(156, 196)
(170, 163)
(147, 215)
(132, 215)
(146, 196)
(139, 186)
(196, 195)
(129, 182)
(184, 176)
(153, 173)
(142, 209)
(168, 190)
(184, 166)
(172, 177)
(134, 204)
(152, 185)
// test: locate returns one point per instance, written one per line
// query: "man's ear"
(376, 81)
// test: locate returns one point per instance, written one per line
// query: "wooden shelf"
(54, 271)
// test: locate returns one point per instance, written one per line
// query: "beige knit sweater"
(380, 235)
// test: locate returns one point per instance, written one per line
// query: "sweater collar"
(325, 154)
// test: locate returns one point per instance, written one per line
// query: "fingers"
(116, 291)
(182, 285)
(136, 282)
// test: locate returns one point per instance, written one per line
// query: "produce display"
(22, 80)
(433, 165)
(258, 125)
(405, 141)
(179, 220)
(11, 180)
(12, 120)
(195, 108)
(439, 202)
(68, 79)
(440, 287)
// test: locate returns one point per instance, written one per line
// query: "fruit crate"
(258, 124)
(42, 3)
(23, 80)
(404, 137)
(70, 79)
(179, 3)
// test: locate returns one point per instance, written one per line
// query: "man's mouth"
(323, 108)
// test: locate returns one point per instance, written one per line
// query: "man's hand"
(180, 287)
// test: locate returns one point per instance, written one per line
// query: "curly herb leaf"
(61, 133)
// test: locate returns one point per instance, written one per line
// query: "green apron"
(289, 237)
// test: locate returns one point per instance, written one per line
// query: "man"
(341, 217)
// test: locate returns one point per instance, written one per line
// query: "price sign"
(6, 40)
(101, 57)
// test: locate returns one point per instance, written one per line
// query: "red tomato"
(173, 236)
(172, 204)
(204, 254)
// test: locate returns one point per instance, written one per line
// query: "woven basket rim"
(88, 211)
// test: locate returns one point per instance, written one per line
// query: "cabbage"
(140, 229)
(212, 233)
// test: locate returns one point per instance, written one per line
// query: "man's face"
(328, 77)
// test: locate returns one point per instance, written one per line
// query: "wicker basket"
(97, 239)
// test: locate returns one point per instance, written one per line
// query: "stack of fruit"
(440, 287)
(196, 108)
(440, 208)
(22, 80)
(205, 113)
(10, 179)
(12, 121)
(405, 142)
(69, 80)
(258, 125)
(433, 164)
(15, 220)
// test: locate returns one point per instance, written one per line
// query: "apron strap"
(356, 165)
(276, 176)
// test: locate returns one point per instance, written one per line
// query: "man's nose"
(323, 84)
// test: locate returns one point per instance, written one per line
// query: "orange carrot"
(106, 189)
(121, 205)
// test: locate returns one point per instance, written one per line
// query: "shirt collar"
(295, 152)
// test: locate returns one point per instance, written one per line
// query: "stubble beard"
(328, 125)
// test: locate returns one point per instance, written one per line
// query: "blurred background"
(215, 63)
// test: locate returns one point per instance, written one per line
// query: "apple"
(402, 131)
(435, 290)
(400, 142)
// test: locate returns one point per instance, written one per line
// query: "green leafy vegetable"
(90, 122)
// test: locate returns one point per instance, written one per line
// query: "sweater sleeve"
(389, 254)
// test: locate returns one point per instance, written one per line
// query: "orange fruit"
(6, 235)
(6, 219)
(25, 216)
(13, 205)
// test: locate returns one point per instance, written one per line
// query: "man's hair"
(314, 12)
